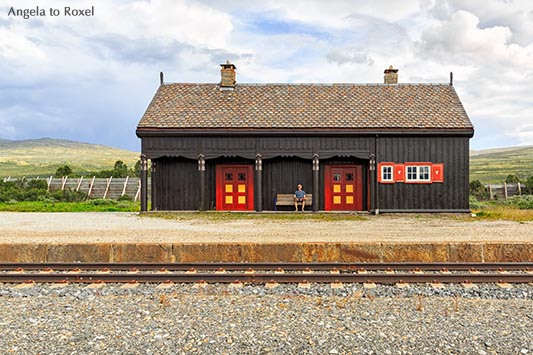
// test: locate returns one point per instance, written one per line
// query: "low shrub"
(478, 190)
(475, 204)
(37, 184)
(524, 202)
(125, 198)
(34, 194)
(102, 202)
(69, 195)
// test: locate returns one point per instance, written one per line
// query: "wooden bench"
(288, 200)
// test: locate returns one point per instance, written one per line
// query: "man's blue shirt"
(299, 193)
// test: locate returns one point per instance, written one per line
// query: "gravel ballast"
(220, 319)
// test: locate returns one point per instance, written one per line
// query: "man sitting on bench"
(299, 196)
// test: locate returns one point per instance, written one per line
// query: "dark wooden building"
(360, 147)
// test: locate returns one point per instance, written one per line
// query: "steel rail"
(124, 266)
(264, 278)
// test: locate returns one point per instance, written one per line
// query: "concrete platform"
(121, 237)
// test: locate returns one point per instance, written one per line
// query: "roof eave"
(177, 132)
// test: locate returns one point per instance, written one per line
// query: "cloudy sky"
(91, 78)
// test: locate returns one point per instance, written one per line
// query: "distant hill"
(493, 165)
(43, 156)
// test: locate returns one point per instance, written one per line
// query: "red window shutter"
(379, 172)
(399, 172)
(437, 172)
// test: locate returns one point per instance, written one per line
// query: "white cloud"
(524, 133)
(349, 55)
(461, 38)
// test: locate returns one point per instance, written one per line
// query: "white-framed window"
(418, 173)
(386, 173)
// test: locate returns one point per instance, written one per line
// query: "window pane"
(336, 177)
(423, 173)
(386, 172)
(411, 173)
(229, 177)
(241, 176)
(349, 177)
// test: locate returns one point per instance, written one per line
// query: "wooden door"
(235, 187)
(343, 188)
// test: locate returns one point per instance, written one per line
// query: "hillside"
(43, 156)
(493, 165)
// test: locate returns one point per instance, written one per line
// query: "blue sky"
(91, 78)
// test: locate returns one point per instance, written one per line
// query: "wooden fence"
(505, 190)
(106, 188)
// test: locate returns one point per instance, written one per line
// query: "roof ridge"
(314, 84)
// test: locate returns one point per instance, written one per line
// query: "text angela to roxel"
(54, 12)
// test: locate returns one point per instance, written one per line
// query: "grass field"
(87, 206)
(484, 212)
(504, 213)
(279, 216)
(41, 157)
(493, 165)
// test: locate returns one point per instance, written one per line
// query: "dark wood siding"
(287, 161)
(176, 184)
(248, 147)
(452, 194)
(282, 175)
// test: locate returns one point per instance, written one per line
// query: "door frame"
(219, 184)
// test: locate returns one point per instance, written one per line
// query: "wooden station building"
(359, 147)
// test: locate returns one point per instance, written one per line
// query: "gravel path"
(219, 319)
(130, 228)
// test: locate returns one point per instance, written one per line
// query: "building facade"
(373, 147)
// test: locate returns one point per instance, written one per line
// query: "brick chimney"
(391, 76)
(227, 76)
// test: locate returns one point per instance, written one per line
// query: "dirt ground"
(131, 228)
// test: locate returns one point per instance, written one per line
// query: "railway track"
(267, 273)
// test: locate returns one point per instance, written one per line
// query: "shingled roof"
(299, 106)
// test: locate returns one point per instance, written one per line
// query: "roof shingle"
(341, 106)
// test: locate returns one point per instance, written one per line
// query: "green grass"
(41, 157)
(236, 216)
(504, 213)
(517, 208)
(86, 206)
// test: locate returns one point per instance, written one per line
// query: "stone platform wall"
(266, 252)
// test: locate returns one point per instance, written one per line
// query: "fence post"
(107, 187)
(505, 189)
(91, 187)
(63, 182)
(490, 192)
(519, 188)
(49, 182)
(79, 183)
(125, 185)
(138, 192)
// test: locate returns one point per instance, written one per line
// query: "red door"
(235, 187)
(343, 188)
